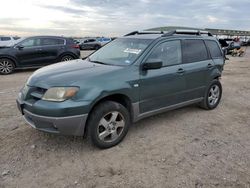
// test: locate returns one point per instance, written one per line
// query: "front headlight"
(60, 94)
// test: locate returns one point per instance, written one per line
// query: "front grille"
(38, 93)
(32, 94)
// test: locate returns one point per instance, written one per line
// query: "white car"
(8, 40)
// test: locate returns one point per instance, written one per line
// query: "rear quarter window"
(214, 49)
(194, 50)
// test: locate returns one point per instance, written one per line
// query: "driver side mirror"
(19, 47)
(152, 64)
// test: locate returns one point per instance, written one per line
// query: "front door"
(29, 52)
(163, 87)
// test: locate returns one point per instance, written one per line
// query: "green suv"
(132, 77)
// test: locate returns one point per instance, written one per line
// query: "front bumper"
(69, 125)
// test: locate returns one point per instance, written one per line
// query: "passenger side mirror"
(152, 64)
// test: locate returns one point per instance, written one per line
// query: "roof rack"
(144, 32)
(187, 32)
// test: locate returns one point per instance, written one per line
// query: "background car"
(36, 52)
(8, 40)
(104, 40)
(90, 44)
(233, 45)
(229, 45)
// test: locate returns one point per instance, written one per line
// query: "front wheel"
(108, 124)
(6, 66)
(213, 96)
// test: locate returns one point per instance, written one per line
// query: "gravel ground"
(188, 147)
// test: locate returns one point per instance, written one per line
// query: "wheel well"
(11, 59)
(119, 98)
(217, 77)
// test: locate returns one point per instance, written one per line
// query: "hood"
(70, 73)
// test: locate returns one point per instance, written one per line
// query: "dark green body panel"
(148, 89)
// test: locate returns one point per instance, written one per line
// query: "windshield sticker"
(132, 51)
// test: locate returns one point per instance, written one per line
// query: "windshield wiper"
(99, 62)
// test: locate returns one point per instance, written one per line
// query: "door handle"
(39, 49)
(209, 65)
(180, 71)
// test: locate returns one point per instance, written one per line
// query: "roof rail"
(144, 32)
(187, 32)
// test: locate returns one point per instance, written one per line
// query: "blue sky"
(118, 17)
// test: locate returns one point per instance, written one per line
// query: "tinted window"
(169, 52)
(51, 41)
(91, 40)
(5, 38)
(194, 51)
(31, 42)
(214, 49)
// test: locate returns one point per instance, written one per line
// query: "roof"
(174, 33)
(145, 36)
(49, 36)
(213, 31)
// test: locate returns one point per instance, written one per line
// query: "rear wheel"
(212, 96)
(67, 58)
(108, 124)
(6, 66)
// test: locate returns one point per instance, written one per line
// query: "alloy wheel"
(67, 58)
(111, 126)
(214, 95)
(6, 67)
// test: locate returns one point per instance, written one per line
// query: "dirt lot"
(189, 147)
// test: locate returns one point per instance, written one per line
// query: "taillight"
(75, 46)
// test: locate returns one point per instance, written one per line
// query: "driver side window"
(168, 52)
(31, 42)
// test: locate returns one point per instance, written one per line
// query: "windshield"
(123, 51)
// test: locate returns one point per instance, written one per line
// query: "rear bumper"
(70, 125)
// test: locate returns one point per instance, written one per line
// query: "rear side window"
(194, 51)
(91, 40)
(214, 49)
(5, 38)
(168, 52)
(51, 41)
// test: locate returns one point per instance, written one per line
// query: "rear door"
(50, 48)
(217, 56)
(196, 64)
(165, 86)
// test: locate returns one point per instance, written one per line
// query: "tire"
(67, 58)
(7, 66)
(213, 96)
(108, 124)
